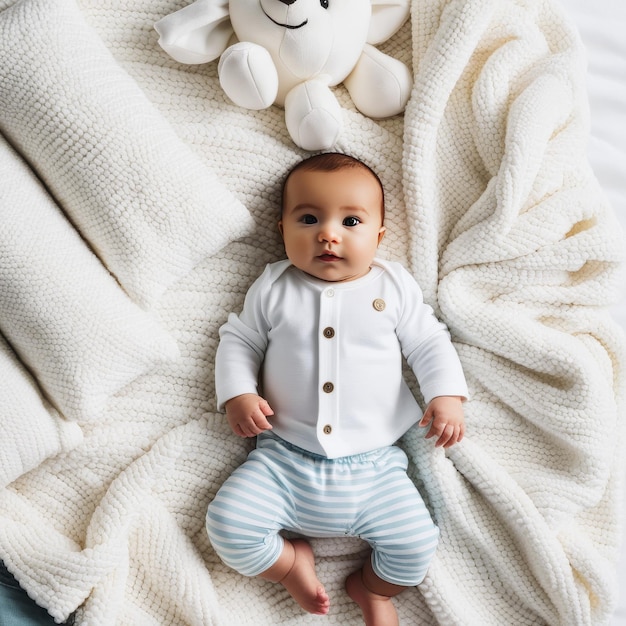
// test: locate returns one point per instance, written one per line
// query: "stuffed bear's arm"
(379, 85)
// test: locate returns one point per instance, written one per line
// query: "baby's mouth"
(329, 257)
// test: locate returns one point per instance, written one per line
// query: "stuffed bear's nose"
(287, 1)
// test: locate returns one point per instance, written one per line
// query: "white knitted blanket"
(137, 204)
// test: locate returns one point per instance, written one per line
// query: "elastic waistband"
(266, 439)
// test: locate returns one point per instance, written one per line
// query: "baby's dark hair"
(331, 162)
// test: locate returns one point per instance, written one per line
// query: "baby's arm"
(446, 419)
(247, 414)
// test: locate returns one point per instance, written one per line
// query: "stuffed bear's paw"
(313, 115)
(248, 75)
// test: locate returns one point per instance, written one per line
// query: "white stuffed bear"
(290, 52)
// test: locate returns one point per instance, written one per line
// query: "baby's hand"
(247, 414)
(445, 415)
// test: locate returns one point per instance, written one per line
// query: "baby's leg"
(396, 522)
(373, 595)
(243, 524)
(295, 570)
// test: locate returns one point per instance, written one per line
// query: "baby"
(313, 368)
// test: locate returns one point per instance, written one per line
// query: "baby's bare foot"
(302, 582)
(377, 610)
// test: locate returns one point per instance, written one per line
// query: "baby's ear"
(381, 234)
(387, 18)
(198, 33)
(280, 227)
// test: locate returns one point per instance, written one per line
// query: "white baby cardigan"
(329, 356)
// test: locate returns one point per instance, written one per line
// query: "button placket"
(328, 357)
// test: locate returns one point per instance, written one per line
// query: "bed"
(137, 205)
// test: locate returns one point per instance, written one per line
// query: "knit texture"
(137, 194)
(63, 313)
(31, 429)
(491, 205)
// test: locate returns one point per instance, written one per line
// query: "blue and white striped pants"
(281, 487)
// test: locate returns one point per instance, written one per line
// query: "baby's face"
(332, 222)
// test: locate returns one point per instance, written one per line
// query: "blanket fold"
(125, 162)
(63, 313)
(32, 430)
(145, 202)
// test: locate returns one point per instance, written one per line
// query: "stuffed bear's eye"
(324, 4)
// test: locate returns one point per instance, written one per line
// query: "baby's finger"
(260, 422)
(266, 409)
(455, 436)
(437, 428)
(426, 418)
(445, 432)
(247, 428)
(238, 431)
(462, 432)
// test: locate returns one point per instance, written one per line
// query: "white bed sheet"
(602, 25)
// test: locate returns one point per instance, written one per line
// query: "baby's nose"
(327, 233)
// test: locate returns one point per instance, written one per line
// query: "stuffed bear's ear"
(387, 18)
(198, 33)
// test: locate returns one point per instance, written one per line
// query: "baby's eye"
(351, 221)
(308, 219)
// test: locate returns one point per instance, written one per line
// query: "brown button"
(379, 304)
(329, 332)
(328, 429)
(328, 387)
